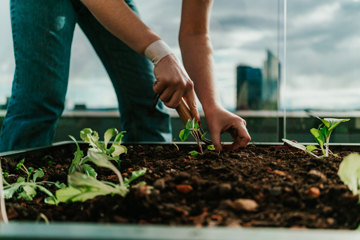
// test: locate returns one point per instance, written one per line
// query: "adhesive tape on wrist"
(156, 51)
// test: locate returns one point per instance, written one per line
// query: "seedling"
(27, 187)
(349, 172)
(192, 127)
(196, 153)
(92, 137)
(78, 163)
(322, 134)
(83, 187)
(322, 137)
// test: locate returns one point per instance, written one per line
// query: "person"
(42, 35)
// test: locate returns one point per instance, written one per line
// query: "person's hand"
(172, 83)
(220, 120)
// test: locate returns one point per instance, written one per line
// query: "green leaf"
(135, 175)
(30, 192)
(65, 194)
(102, 160)
(194, 153)
(92, 138)
(159, 148)
(5, 174)
(196, 125)
(109, 134)
(9, 192)
(310, 148)
(118, 138)
(90, 171)
(83, 187)
(190, 124)
(77, 156)
(202, 136)
(184, 134)
(20, 180)
(335, 155)
(119, 149)
(318, 135)
(334, 122)
(60, 185)
(30, 169)
(44, 190)
(211, 147)
(18, 166)
(38, 174)
(349, 172)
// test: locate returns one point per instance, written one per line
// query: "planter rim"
(30, 230)
(62, 143)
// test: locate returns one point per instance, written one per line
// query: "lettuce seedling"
(92, 137)
(27, 188)
(322, 134)
(83, 187)
(349, 172)
(78, 163)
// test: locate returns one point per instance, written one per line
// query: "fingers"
(216, 140)
(240, 135)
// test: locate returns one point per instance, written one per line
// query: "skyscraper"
(249, 87)
(258, 89)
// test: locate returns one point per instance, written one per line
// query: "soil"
(253, 187)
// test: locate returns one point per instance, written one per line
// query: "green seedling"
(322, 137)
(78, 162)
(192, 127)
(322, 134)
(83, 187)
(159, 147)
(92, 138)
(211, 147)
(26, 187)
(194, 153)
(349, 172)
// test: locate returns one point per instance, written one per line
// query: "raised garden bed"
(258, 186)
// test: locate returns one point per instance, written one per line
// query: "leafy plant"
(92, 138)
(27, 187)
(323, 133)
(83, 187)
(192, 127)
(78, 163)
(194, 153)
(349, 172)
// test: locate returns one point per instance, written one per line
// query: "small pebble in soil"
(317, 175)
(224, 189)
(159, 184)
(314, 192)
(247, 205)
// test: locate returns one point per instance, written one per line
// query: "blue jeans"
(42, 36)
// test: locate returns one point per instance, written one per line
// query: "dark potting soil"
(252, 187)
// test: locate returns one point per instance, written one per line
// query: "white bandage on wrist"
(156, 51)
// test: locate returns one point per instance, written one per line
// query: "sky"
(322, 51)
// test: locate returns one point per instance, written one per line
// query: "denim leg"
(132, 77)
(42, 35)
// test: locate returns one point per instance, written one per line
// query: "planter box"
(262, 190)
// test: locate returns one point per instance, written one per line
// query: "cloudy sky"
(323, 50)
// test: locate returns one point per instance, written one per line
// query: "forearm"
(198, 61)
(121, 21)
